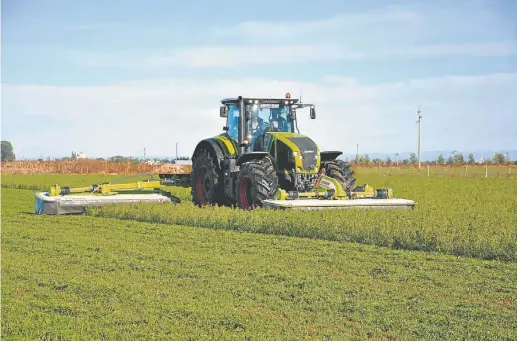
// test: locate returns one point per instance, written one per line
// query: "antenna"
(419, 136)
(300, 95)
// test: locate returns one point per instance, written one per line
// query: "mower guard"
(75, 204)
(363, 203)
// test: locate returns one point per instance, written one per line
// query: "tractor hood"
(299, 147)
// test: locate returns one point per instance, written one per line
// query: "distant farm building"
(78, 155)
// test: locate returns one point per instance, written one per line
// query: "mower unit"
(65, 200)
(261, 160)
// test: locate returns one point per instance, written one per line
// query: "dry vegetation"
(90, 166)
(84, 166)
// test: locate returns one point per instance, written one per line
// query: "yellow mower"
(66, 200)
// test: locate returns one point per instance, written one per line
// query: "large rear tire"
(343, 172)
(205, 180)
(257, 181)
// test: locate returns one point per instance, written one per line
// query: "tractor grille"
(308, 149)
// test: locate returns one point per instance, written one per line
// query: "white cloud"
(287, 54)
(415, 30)
(358, 24)
(279, 55)
(155, 114)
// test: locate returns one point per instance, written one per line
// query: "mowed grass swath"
(467, 217)
(90, 278)
(459, 216)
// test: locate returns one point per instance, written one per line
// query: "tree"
(450, 161)
(441, 159)
(471, 159)
(388, 161)
(412, 158)
(406, 162)
(7, 151)
(459, 159)
(365, 160)
(499, 158)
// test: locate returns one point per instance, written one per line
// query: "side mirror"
(313, 113)
(292, 116)
(222, 112)
(248, 115)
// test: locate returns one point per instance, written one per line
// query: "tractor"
(262, 160)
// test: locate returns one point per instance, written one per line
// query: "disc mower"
(70, 200)
(261, 160)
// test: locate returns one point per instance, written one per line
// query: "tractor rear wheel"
(343, 172)
(205, 180)
(257, 181)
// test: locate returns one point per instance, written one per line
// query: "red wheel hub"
(245, 192)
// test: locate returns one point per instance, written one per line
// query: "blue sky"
(113, 77)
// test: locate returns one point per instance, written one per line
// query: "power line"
(419, 136)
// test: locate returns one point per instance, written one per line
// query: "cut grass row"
(397, 230)
(463, 217)
(467, 217)
(90, 278)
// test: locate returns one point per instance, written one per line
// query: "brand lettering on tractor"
(328, 184)
(269, 105)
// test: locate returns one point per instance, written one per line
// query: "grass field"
(305, 277)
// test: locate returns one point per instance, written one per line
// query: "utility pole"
(144, 153)
(419, 136)
(357, 155)
(176, 151)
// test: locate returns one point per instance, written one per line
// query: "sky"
(114, 77)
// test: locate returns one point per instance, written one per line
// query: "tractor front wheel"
(257, 181)
(204, 180)
(343, 172)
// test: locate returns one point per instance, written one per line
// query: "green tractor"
(261, 160)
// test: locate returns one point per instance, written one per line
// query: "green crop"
(463, 217)
(80, 277)
(474, 217)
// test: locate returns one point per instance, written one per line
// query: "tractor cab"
(249, 119)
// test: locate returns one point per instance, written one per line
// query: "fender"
(330, 155)
(248, 156)
(211, 146)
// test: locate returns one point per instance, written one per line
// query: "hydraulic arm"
(107, 188)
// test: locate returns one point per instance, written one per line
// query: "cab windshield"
(264, 116)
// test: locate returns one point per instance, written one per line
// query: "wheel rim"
(202, 185)
(245, 192)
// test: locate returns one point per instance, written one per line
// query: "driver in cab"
(278, 120)
(257, 125)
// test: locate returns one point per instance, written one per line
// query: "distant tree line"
(455, 159)
(133, 160)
